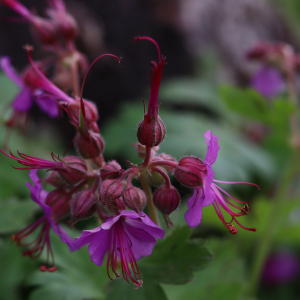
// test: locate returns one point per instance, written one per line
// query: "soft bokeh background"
(205, 44)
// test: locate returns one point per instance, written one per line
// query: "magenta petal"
(85, 238)
(48, 105)
(144, 223)
(209, 195)
(194, 213)
(9, 71)
(142, 242)
(23, 101)
(212, 147)
(268, 82)
(38, 195)
(99, 246)
(65, 238)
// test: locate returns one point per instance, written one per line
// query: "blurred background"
(205, 43)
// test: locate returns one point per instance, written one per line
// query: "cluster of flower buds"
(88, 185)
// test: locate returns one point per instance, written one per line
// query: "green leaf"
(120, 289)
(14, 214)
(15, 268)
(223, 279)
(249, 103)
(58, 286)
(76, 276)
(174, 259)
(246, 102)
(191, 92)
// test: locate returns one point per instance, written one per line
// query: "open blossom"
(23, 102)
(128, 237)
(46, 222)
(208, 192)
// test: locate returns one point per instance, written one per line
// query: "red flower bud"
(91, 111)
(111, 170)
(135, 199)
(56, 180)
(166, 199)
(151, 131)
(190, 171)
(83, 205)
(59, 201)
(44, 31)
(74, 169)
(89, 145)
(113, 207)
(67, 26)
(110, 189)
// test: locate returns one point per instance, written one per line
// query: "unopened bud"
(166, 199)
(91, 111)
(111, 170)
(74, 169)
(156, 179)
(151, 131)
(113, 207)
(190, 171)
(83, 205)
(44, 31)
(89, 145)
(56, 180)
(110, 189)
(67, 26)
(135, 199)
(59, 201)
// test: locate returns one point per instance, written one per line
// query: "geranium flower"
(36, 247)
(209, 193)
(128, 237)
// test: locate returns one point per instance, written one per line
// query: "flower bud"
(110, 189)
(111, 170)
(91, 111)
(67, 26)
(190, 171)
(56, 180)
(43, 31)
(135, 199)
(74, 169)
(151, 131)
(166, 199)
(59, 201)
(89, 145)
(156, 179)
(83, 205)
(113, 207)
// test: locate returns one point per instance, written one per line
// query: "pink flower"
(268, 81)
(209, 193)
(46, 222)
(128, 237)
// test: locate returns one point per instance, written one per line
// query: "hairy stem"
(150, 204)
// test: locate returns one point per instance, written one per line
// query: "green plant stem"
(273, 223)
(150, 204)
